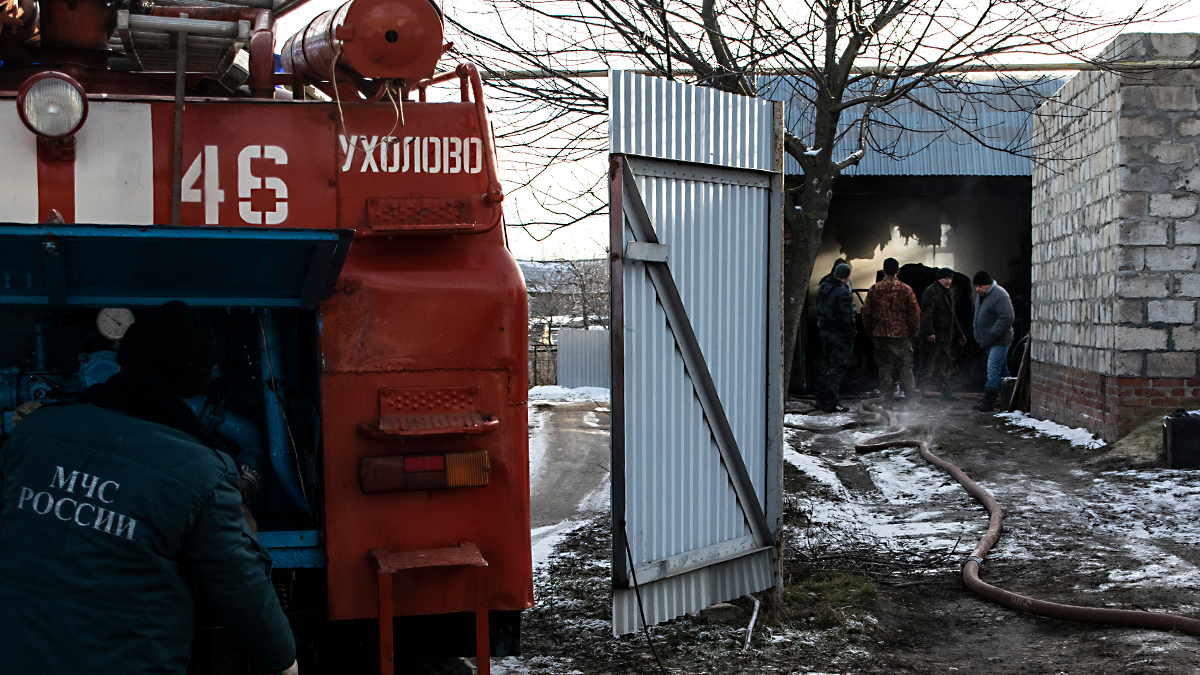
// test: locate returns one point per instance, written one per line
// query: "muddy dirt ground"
(873, 549)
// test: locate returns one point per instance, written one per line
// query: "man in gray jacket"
(993, 331)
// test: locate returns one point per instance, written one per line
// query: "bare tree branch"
(859, 62)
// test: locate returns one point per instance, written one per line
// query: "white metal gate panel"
(583, 358)
(696, 217)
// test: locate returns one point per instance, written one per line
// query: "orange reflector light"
(423, 472)
(467, 469)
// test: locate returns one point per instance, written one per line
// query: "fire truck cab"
(345, 239)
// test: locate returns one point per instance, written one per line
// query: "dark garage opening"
(967, 223)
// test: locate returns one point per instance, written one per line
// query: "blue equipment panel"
(130, 265)
(293, 549)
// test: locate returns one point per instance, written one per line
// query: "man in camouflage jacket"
(891, 315)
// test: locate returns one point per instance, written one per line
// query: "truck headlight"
(52, 105)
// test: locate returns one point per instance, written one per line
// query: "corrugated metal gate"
(696, 209)
(583, 358)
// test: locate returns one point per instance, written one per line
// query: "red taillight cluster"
(423, 472)
(430, 463)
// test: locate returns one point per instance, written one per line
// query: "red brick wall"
(1104, 404)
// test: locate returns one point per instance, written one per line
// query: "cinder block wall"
(1115, 234)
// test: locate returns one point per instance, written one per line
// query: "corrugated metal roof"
(923, 143)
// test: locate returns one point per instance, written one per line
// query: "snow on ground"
(537, 442)
(829, 420)
(1080, 438)
(1136, 520)
(1138, 510)
(817, 469)
(917, 508)
(545, 538)
(904, 478)
(554, 394)
(917, 496)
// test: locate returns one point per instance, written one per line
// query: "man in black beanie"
(116, 510)
(835, 320)
(994, 317)
(939, 327)
(173, 344)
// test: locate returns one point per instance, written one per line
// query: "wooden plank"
(616, 348)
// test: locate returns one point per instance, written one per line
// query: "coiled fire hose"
(970, 573)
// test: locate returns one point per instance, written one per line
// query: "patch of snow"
(558, 394)
(904, 478)
(524, 665)
(547, 537)
(591, 419)
(509, 665)
(599, 499)
(821, 420)
(1080, 438)
(815, 468)
(916, 523)
(537, 443)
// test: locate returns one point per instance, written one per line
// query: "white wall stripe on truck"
(18, 168)
(114, 165)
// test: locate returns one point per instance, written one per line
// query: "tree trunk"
(804, 228)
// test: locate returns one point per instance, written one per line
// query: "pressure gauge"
(113, 322)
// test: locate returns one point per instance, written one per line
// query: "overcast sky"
(588, 239)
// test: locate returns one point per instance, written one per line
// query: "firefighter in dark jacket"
(835, 320)
(116, 510)
(939, 327)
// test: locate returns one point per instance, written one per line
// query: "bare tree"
(567, 293)
(590, 281)
(849, 63)
(551, 304)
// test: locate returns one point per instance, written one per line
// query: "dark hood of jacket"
(148, 399)
(835, 307)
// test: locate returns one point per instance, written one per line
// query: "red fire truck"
(345, 238)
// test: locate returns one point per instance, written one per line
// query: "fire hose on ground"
(970, 573)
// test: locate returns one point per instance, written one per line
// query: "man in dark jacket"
(114, 511)
(939, 327)
(892, 316)
(993, 331)
(835, 319)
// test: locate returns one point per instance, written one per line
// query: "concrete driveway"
(568, 460)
